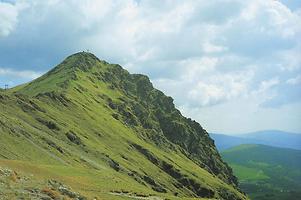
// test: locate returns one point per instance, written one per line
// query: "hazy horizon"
(256, 131)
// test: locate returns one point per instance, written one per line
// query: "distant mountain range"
(265, 172)
(269, 137)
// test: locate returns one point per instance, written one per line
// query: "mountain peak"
(60, 77)
(82, 55)
(81, 60)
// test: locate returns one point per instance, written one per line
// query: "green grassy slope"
(265, 172)
(107, 134)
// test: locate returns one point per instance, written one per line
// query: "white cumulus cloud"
(206, 54)
(9, 17)
(19, 74)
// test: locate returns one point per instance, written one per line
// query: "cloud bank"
(214, 56)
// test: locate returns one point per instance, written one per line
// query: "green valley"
(265, 172)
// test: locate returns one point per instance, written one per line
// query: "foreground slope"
(108, 134)
(265, 172)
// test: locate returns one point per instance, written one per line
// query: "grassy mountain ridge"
(90, 116)
(266, 172)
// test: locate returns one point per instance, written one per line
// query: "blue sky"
(234, 66)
